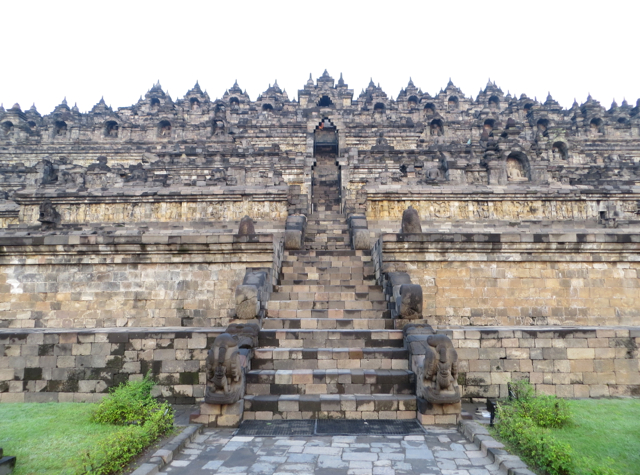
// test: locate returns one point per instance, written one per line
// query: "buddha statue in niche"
(515, 170)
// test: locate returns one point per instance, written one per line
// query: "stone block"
(409, 305)
(247, 302)
(361, 239)
(580, 353)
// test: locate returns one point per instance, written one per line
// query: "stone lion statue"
(438, 376)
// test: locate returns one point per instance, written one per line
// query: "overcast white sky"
(117, 49)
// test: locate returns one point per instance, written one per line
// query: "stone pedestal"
(219, 415)
(431, 413)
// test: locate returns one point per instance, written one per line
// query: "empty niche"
(453, 102)
(623, 120)
(267, 107)
(111, 128)
(164, 128)
(7, 127)
(560, 150)
(59, 128)
(379, 107)
(429, 108)
(31, 124)
(517, 167)
(325, 101)
(528, 106)
(595, 125)
(155, 102)
(543, 125)
(489, 124)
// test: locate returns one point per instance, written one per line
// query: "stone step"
(327, 305)
(327, 216)
(327, 264)
(342, 273)
(272, 323)
(330, 406)
(296, 278)
(305, 272)
(330, 255)
(327, 313)
(326, 288)
(330, 358)
(334, 261)
(339, 235)
(326, 246)
(333, 280)
(328, 296)
(331, 338)
(330, 381)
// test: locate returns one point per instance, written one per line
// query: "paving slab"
(440, 451)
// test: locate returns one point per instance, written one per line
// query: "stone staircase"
(327, 348)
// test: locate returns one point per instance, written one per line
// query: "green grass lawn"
(49, 438)
(605, 429)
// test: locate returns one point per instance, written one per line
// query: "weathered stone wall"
(476, 207)
(567, 362)
(514, 279)
(72, 281)
(80, 365)
(161, 210)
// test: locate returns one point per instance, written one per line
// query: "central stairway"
(326, 349)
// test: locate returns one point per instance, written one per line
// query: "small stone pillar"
(294, 232)
(496, 171)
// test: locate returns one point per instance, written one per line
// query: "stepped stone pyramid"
(133, 237)
(326, 348)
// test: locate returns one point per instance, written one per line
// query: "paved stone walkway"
(442, 451)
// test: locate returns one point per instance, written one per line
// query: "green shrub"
(534, 443)
(522, 390)
(129, 403)
(546, 411)
(524, 423)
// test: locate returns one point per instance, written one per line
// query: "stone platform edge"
(492, 449)
(165, 454)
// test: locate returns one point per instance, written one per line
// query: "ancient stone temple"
(329, 255)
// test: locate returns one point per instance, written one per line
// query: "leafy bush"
(535, 444)
(544, 411)
(524, 423)
(130, 403)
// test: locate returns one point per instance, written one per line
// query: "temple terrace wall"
(567, 362)
(520, 279)
(80, 366)
(44, 365)
(86, 281)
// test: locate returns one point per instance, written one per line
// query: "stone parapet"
(87, 281)
(514, 279)
(567, 362)
(53, 365)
